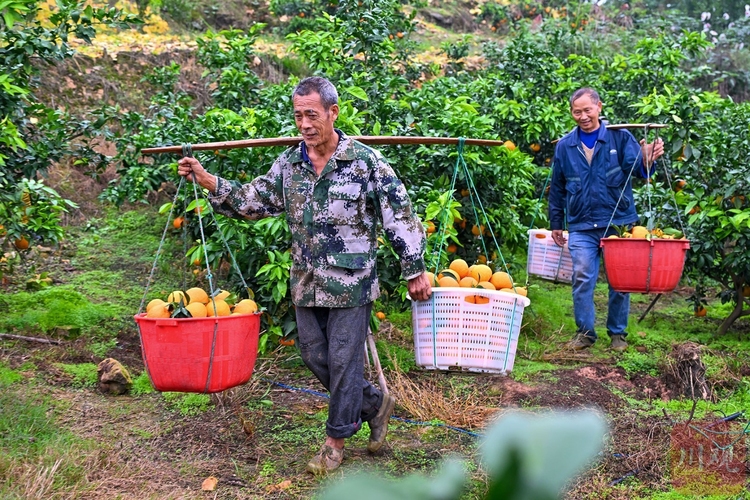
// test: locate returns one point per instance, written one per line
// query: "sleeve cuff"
(223, 188)
(410, 270)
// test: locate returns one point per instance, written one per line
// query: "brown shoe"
(379, 424)
(327, 460)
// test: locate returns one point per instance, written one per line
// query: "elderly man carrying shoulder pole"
(592, 192)
(334, 191)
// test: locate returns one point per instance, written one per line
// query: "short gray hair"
(328, 94)
(593, 94)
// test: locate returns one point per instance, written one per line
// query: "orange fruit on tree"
(476, 231)
(746, 291)
(380, 315)
(245, 306)
(177, 222)
(158, 311)
(481, 259)
(197, 309)
(218, 308)
(197, 295)
(480, 272)
(535, 148)
(452, 248)
(501, 280)
(21, 243)
(467, 282)
(509, 145)
(460, 266)
(430, 227)
(465, 193)
(446, 281)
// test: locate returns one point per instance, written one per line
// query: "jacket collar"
(344, 150)
(601, 137)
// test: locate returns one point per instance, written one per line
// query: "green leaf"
(357, 92)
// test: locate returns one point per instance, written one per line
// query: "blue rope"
(405, 420)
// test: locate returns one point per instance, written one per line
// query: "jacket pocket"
(616, 183)
(349, 260)
(574, 203)
(344, 203)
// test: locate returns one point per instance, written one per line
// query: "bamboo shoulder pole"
(292, 141)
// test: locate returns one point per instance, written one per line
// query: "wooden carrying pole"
(384, 140)
(292, 141)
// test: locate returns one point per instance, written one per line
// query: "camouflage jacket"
(334, 220)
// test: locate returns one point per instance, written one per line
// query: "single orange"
(245, 306)
(460, 266)
(452, 248)
(218, 308)
(447, 281)
(501, 280)
(177, 222)
(486, 285)
(700, 312)
(158, 311)
(21, 243)
(380, 315)
(467, 282)
(197, 309)
(480, 272)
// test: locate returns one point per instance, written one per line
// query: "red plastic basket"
(644, 266)
(177, 352)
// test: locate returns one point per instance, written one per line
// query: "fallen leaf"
(279, 487)
(642, 334)
(209, 484)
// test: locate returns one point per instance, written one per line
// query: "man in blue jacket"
(591, 187)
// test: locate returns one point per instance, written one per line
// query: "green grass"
(142, 385)
(83, 374)
(30, 440)
(188, 405)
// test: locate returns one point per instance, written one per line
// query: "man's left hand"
(651, 151)
(419, 287)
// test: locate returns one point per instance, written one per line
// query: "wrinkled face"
(586, 113)
(314, 122)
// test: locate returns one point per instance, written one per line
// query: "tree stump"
(690, 371)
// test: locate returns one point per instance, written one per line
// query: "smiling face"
(314, 122)
(586, 112)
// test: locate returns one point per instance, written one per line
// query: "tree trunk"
(736, 313)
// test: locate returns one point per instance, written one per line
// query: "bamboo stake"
(29, 339)
(292, 141)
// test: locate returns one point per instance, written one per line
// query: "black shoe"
(379, 424)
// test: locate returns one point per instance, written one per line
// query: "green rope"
(442, 216)
(539, 201)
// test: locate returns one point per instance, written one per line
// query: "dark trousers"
(332, 342)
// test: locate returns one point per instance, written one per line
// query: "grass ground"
(61, 438)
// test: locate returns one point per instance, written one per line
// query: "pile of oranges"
(460, 274)
(641, 232)
(196, 303)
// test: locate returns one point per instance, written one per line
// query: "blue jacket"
(588, 194)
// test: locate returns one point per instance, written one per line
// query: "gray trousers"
(332, 342)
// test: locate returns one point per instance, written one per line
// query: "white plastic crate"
(546, 259)
(453, 334)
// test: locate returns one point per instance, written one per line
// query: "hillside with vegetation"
(84, 214)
